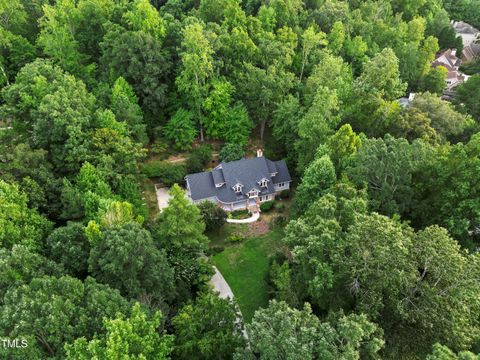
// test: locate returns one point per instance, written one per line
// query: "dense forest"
(378, 256)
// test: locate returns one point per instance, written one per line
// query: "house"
(449, 60)
(241, 184)
(406, 102)
(470, 38)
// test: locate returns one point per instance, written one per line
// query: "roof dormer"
(253, 193)
(263, 183)
(237, 187)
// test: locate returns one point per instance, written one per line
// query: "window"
(281, 185)
(237, 188)
(263, 183)
(253, 193)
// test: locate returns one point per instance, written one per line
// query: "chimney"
(259, 152)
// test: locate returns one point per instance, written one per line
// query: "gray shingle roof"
(218, 176)
(248, 172)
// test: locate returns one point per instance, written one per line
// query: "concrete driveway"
(162, 196)
(220, 285)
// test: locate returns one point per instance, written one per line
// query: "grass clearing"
(245, 266)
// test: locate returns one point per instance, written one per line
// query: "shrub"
(213, 215)
(239, 214)
(266, 206)
(279, 207)
(159, 147)
(280, 221)
(198, 158)
(231, 152)
(234, 238)
(214, 250)
(167, 173)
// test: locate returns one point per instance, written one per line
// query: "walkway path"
(255, 216)
(162, 196)
(220, 285)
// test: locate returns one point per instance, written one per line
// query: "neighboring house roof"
(471, 51)
(470, 38)
(447, 58)
(247, 172)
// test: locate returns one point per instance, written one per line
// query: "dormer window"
(238, 188)
(253, 193)
(263, 182)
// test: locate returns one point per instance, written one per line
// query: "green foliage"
(266, 206)
(235, 238)
(231, 152)
(213, 215)
(207, 329)
(196, 69)
(58, 310)
(316, 125)
(463, 10)
(18, 223)
(20, 265)
(198, 158)
(69, 247)
(127, 259)
(138, 56)
(446, 193)
(179, 230)
(33, 173)
(441, 352)
(471, 67)
(318, 178)
(434, 80)
(343, 147)
(166, 172)
(390, 270)
(180, 225)
(467, 97)
(280, 331)
(181, 129)
(387, 166)
(126, 108)
(281, 280)
(134, 337)
(15, 52)
(447, 122)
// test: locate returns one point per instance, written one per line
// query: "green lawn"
(245, 267)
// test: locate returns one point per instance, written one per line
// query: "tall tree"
(125, 258)
(18, 223)
(196, 69)
(467, 97)
(55, 311)
(125, 107)
(279, 332)
(318, 178)
(208, 329)
(316, 125)
(69, 247)
(134, 337)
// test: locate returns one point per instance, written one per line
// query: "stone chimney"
(259, 152)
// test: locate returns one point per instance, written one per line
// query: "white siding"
(282, 186)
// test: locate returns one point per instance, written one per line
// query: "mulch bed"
(258, 228)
